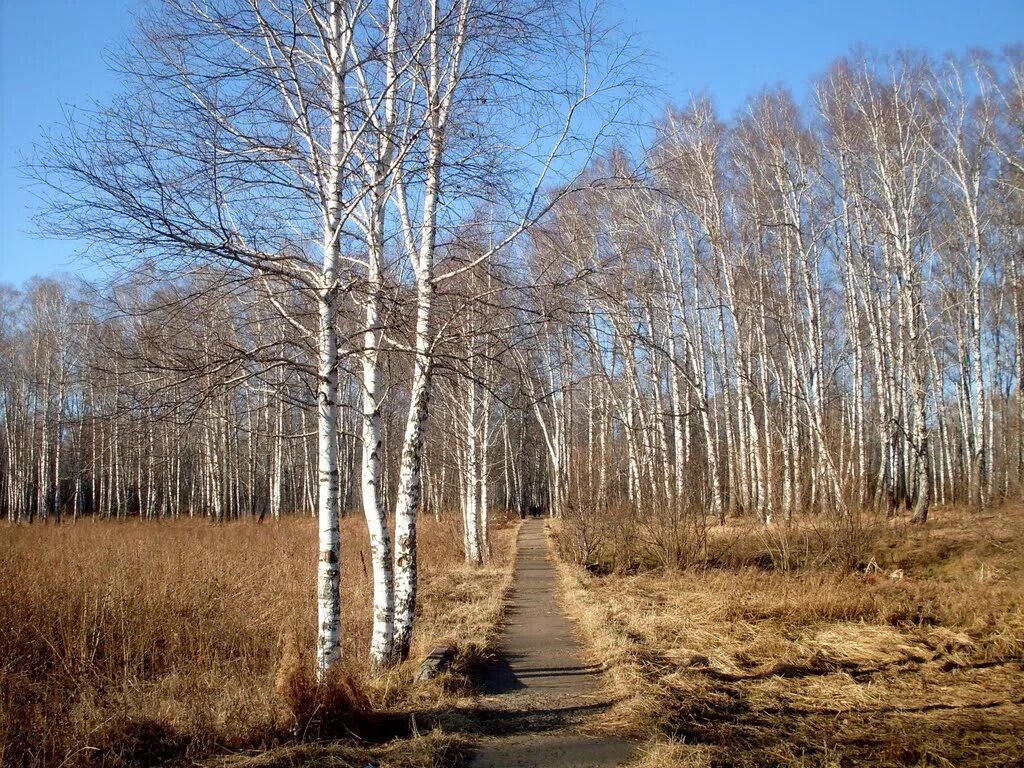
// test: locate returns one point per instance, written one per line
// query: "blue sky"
(53, 54)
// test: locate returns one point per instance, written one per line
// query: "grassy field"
(148, 643)
(914, 657)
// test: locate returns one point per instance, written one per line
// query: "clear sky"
(52, 54)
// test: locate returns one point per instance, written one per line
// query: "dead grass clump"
(739, 729)
(832, 542)
(916, 660)
(603, 540)
(334, 707)
(433, 749)
(126, 740)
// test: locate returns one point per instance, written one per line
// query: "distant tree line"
(196, 400)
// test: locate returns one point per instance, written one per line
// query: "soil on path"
(539, 694)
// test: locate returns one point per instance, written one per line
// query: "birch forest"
(386, 260)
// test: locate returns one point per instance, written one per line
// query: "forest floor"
(915, 657)
(141, 643)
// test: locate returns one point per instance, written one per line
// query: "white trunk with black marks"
(679, 414)
(378, 171)
(471, 514)
(485, 539)
(59, 442)
(328, 642)
(410, 478)
(277, 471)
(441, 82)
(382, 634)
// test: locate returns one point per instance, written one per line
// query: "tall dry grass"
(916, 658)
(138, 643)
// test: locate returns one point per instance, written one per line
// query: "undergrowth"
(911, 656)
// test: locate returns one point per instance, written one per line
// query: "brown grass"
(914, 659)
(139, 643)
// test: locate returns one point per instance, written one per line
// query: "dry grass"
(139, 643)
(431, 750)
(914, 659)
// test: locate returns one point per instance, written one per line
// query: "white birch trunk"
(328, 644)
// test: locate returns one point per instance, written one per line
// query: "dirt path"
(540, 692)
